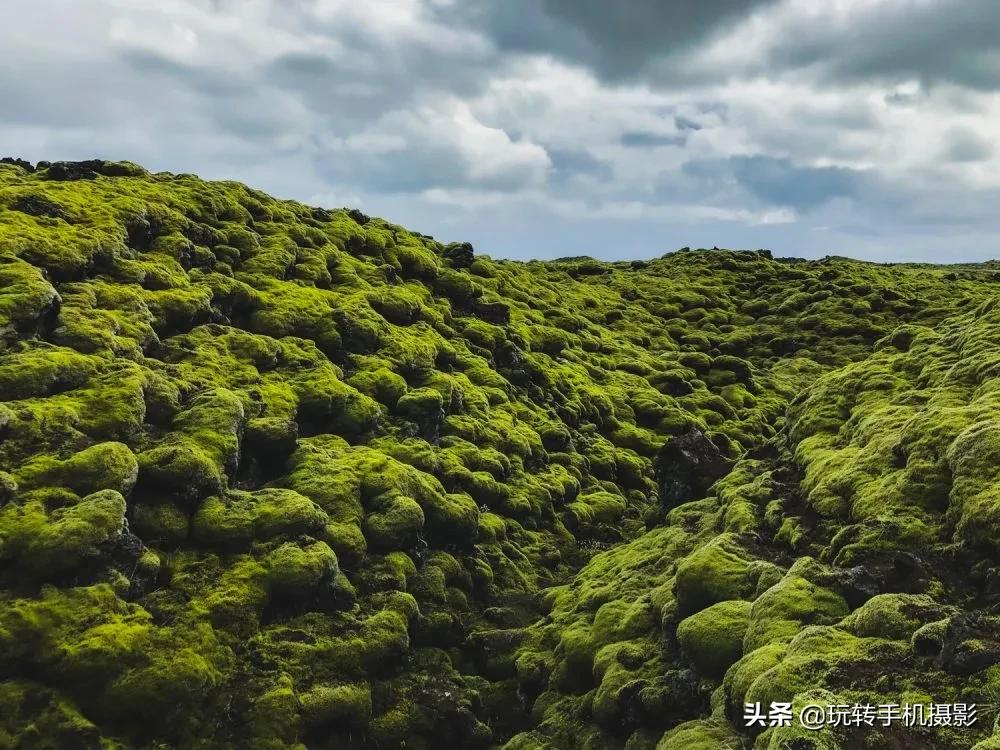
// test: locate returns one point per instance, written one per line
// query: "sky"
(545, 128)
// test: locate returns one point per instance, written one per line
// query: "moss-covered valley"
(277, 476)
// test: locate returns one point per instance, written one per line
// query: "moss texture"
(277, 476)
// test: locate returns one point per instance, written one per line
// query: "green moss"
(588, 510)
(782, 610)
(929, 639)
(712, 639)
(421, 404)
(271, 438)
(163, 524)
(381, 384)
(893, 616)
(793, 735)
(237, 518)
(26, 298)
(43, 371)
(698, 735)
(176, 677)
(8, 488)
(394, 522)
(742, 675)
(105, 466)
(716, 572)
(182, 472)
(34, 715)
(346, 539)
(349, 705)
(274, 716)
(294, 571)
(49, 544)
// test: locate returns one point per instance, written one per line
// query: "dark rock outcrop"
(460, 254)
(687, 466)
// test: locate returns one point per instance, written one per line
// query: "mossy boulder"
(395, 522)
(104, 466)
(41, 372)
(27, 300)
(893, 616)
(712, 639)
(237, 518)
(46, 544)
(782, 610)
(8, 487)
(180, 471)
(584, 514)
(717, 572)
(294, 571)
(164, 524)
(343, 705)
(698, 735)
(742, 675)
(382, 384)
(422, 405)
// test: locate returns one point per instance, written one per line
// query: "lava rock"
(90, 169)
(971, 643)
(359, 217)
(492, 312)
(38, 205)
(460, 254)
(25, 165)
(687, 466)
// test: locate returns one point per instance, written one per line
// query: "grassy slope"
(275, 475)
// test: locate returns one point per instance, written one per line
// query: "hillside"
(278, 476)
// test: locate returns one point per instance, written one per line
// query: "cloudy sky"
(542, 128)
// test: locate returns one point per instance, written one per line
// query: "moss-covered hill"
(277, 476)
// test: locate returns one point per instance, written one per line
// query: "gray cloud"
(617, 40)
(569, 163)
(642, 139)
(684, 123)
(941, 41)
(965, 145)
(424, 164)
(781, 182)
(948, 41)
